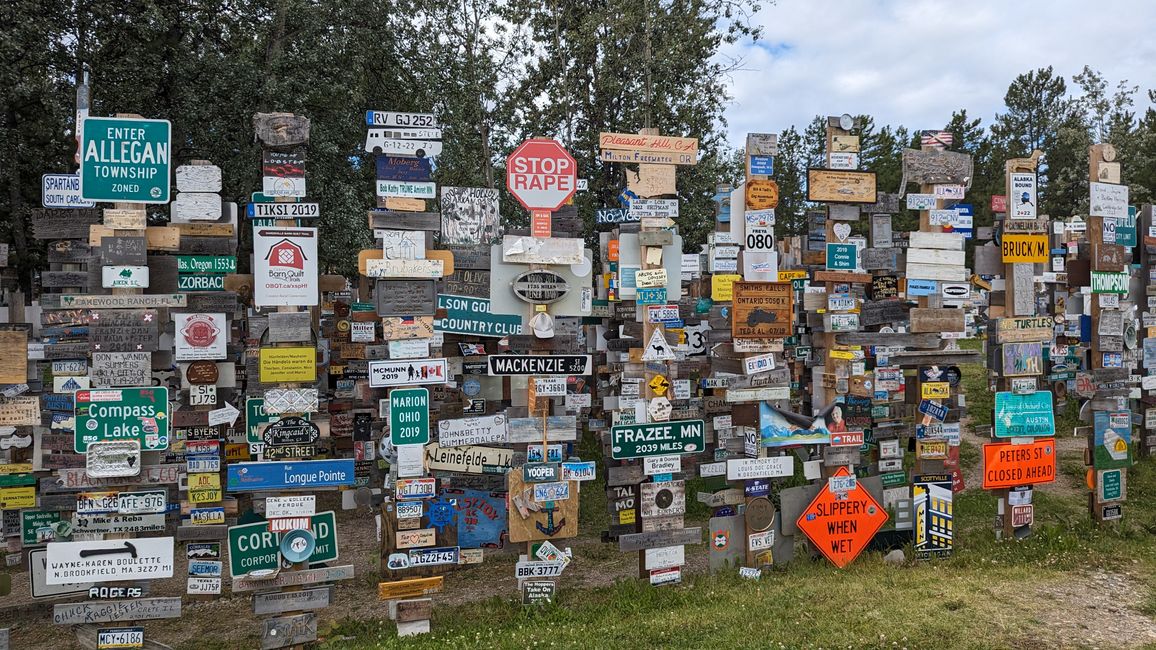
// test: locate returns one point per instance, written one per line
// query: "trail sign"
(125, 159)
(841, 524)
(139, 414)
(541, 174)
(409, 416)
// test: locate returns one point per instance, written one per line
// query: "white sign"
(304, 505)
(524, 570)
(473, 431)
(1108, 200)
(404, 268)
(949, 192)
(285, 267)
(62, 191)
(652, 465)
(200, 336)
(921, 201)
(402, 244)
(665, 557)
(760, 363)
(407, 189)
(741, 469)
(124, 277)
(408, 348)
(408, 372)
(658, 349)
(146, 558)
(1021, 199)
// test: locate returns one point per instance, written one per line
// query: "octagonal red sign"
(541, 174)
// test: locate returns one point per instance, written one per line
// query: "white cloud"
(913, 62)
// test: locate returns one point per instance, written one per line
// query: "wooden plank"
(391, 219)
(940, 240)
(130, 251)
(659, 538)
(207, 245)
(411, 587)
(63, 279)
(937, 272)
(935, 256)
(70, 251)
(195, 206)
(841, 276)
(158, 238)
(206, 229)
(281, 129)
(936, 320)
(56, 223)
(477, 258)
(198, 178)
(922, 341)
(108, 611)
(560, 428)
(295, 578)
(840, 186)
(280, 602)
(624, 475)
(939, 357)
(936, 167)
(404, 611)
(288, 630)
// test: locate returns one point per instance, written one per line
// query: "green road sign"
(253, 548)
(140, 414)
(206, 264)
(30, 520)
(125, 159)
(409, 416)
(200, 282)
(657, 439)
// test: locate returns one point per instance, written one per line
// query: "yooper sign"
(541, 174)
(842, 527)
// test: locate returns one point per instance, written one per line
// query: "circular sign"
(953, 375)
(540, 287)
(761, 194)
(541, 174)
(760, 514)
(202, 372)
(663, 498)
(846, 122)
(297, 545)
(200, 331)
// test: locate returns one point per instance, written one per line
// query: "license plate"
(139, 503)
(120, 637)
(95, 503)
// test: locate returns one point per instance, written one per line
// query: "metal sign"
(290, 474)
(473, 316)
(408, 372)
(252, 547)
(62, 191)
(511, 364)
(1006, 465)
(1021, 416)
(125, 160)
(541, 174)
(540, 287)
(110, 561)
(409, 416)
(841, 524)
(291, 431)
(657, 439)
(139, 414)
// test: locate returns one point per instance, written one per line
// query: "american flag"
(937, 139)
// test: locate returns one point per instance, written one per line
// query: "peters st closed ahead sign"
(125, 159)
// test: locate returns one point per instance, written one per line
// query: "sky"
(913, 62)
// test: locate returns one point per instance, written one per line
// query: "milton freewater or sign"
(125, 159)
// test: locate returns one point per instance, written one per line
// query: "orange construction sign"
(841, 522)
(1006, 465)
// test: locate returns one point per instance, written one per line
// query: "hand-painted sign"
(841, 524)
(1021, 416)
(657, 439)
(140, 414)
(1006, 465)
(125, 159)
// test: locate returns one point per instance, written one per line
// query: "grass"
(989, 594)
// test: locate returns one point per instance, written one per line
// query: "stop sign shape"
(541, 174)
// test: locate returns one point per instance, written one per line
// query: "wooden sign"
(391, 219)
(289, 327)
(64, 279)
(294, 578)
(937, 320)
(288, 630)
(531, 520)
(130, 219)
(121, 369)
(123, 251)
(123, 337)
(633, 542)
(936, 167)
(682, 151)
(122, 301)
(14, 348)
(106, 611)
(62, 223)
(409, 588)
(535, 250)
(761, 194)
(405, 297)
(840, 186)
(198, 178)
(762, 310)
(69, 250)
(281, 129)
(1030, 328)
(383, 268)
(279, 602)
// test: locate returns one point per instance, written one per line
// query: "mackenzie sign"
(517, 364)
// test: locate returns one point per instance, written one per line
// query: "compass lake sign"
(657, 439)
